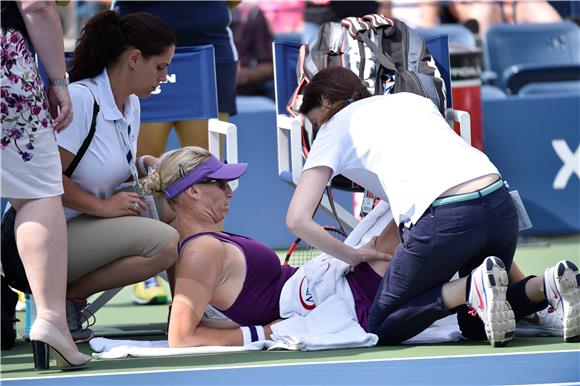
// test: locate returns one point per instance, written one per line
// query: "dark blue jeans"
(445, 240)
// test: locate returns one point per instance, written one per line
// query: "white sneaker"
(487, 296)
(562, 289)
(542, 323)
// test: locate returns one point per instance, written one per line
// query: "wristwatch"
(59, 82)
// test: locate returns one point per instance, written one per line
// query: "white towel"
(331, 325)
(317, 302)
(371, 225)
(442, 331)
(323, 276)
(115, 349)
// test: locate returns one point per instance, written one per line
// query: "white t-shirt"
(400, 148)
(104, 165)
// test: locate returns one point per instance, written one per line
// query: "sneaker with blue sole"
(562, 290)
(487, 297)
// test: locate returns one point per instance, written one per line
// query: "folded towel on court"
(331, 325)
(442, 331)
(117, 348)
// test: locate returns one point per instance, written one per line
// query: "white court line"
(547, 384)
(298, 364)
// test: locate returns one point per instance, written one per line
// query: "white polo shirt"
(399, 147)
(104, 165)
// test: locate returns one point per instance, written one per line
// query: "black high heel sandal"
(42, 352)
(41, 357)
(45, 339)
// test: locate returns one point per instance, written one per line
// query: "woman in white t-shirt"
(116, 60)
(450, 207)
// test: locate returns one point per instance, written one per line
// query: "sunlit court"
(290, 193)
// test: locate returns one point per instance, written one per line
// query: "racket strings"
(301, 252)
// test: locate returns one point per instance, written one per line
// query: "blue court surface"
(540, 368)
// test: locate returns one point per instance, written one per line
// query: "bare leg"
(535, 289)
(123, 271)
(194, 133)
(536, 12)
(453, 293)
(41, 237)
(486, 14)
(153, 138)
(515, 274)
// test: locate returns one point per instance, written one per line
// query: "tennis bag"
(385, 53)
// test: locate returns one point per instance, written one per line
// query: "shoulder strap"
(82, 150)
(226, 238)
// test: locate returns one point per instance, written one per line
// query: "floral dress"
(29, 155)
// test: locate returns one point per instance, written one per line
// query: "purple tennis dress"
(258, 301)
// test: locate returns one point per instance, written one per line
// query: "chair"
(570, 86)
(492, 92)
(288, 129)
(524, 53)
(291, 37)
(189, 93)
(458, 34)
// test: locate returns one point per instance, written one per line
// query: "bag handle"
(83, 149)
(359, 29)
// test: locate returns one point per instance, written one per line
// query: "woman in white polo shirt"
(116, 60)
(450, 207)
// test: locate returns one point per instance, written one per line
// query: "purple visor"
(211, 168)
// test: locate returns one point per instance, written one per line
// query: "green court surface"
(533, 255)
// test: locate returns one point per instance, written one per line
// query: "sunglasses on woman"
(223, 184)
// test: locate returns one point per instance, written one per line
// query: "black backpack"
(386, 54)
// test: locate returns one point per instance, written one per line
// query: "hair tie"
(349, 101)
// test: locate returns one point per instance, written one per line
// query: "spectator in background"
(194, 23)
(416, 14)
(253, 40)
(284, 16)
(488, 14)
(86, 9)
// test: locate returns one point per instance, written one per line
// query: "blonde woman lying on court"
(237, 275)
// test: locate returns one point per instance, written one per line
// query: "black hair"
(107, 35)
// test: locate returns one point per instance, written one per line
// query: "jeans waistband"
(469, 196)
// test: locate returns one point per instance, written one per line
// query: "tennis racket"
(301, 252)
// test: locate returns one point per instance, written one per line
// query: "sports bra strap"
(212, 234)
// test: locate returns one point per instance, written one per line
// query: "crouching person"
(116, 60)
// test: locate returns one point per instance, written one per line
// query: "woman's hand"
(150, 161)
(268, 329)
(122, 204)
(369, 251)
(144, 163)
(60, 107)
